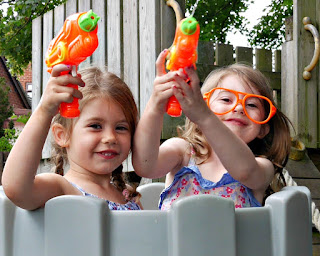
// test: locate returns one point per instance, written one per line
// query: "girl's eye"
(122, 128)
(95, 126)
(225, 99)
(254, 103)
(251, 105)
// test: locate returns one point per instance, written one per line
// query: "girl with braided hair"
(94, 144)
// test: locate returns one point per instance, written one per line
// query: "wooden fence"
(131, 35)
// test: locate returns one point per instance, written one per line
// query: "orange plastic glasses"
(258, 109)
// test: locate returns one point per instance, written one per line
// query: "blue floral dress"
(130, 205)
(188, 181)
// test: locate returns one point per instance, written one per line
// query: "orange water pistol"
(183, 53)
(76, 41)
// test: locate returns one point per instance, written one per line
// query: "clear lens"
(222, 101)
(257, 108)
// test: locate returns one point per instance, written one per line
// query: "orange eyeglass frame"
(273, 109)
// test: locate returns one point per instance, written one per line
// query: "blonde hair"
(105, 85)
(275, 145)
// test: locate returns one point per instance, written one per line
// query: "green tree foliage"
(16, 30)
(218, 17)
(5, 109)
(269, 33)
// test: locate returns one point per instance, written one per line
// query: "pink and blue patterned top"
(188, 181)
(130, 205)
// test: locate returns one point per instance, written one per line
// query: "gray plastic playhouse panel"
(199, 225)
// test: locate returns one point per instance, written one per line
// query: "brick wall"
(14, 97)
(16, 100)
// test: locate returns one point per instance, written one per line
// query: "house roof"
(17, 86)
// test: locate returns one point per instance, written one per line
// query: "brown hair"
(275, 145)
(105, 85)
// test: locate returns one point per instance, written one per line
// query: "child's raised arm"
(147, 160)
(19, 179)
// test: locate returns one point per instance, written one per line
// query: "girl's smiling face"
(100, 140)
(236, 120)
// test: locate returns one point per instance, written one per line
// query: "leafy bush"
(5, 109)
(11, 134)
(7, 141)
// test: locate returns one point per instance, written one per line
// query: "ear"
(264, 130)
(60, 135)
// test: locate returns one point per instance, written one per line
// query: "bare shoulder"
(182, 150)
(179, 148)
(55, 183)
(176, 143)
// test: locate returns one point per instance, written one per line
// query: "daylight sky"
(253, 13)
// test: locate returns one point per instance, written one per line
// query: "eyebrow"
(98, 119)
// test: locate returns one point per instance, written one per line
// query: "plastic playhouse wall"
(200, 225)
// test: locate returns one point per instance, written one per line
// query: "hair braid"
(58, 159)
(118, 181)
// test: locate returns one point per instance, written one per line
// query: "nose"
(239, 107)
(109, 137)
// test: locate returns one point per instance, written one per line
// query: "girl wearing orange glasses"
(235, 142)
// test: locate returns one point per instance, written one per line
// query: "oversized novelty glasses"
(258, 109)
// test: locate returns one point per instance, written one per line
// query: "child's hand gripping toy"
(76, 41)
(183, 53)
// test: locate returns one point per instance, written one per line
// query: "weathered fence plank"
(47, 37)
(71, 7)
(131, 52)
(36, 61)
(149, 24)
(263, 59)
(58, 19)
(244, 55)
(99, 56)
(224, 54)
(114, 36)
(306, 96)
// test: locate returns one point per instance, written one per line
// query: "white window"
(29, 89)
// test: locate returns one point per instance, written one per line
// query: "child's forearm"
(146, 143)
(24, 158)
(227, 146)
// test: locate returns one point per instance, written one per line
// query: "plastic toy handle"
(70, 110)
(183, 53)
(173, 107)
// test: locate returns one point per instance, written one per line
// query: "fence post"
(299, 96)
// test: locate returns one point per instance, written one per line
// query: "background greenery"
(16, 30)
(5, 109)
(216, 18)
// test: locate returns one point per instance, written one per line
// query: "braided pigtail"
(58, 158)
(118, 181)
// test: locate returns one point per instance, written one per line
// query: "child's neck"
(99, 186)
(88, 178)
